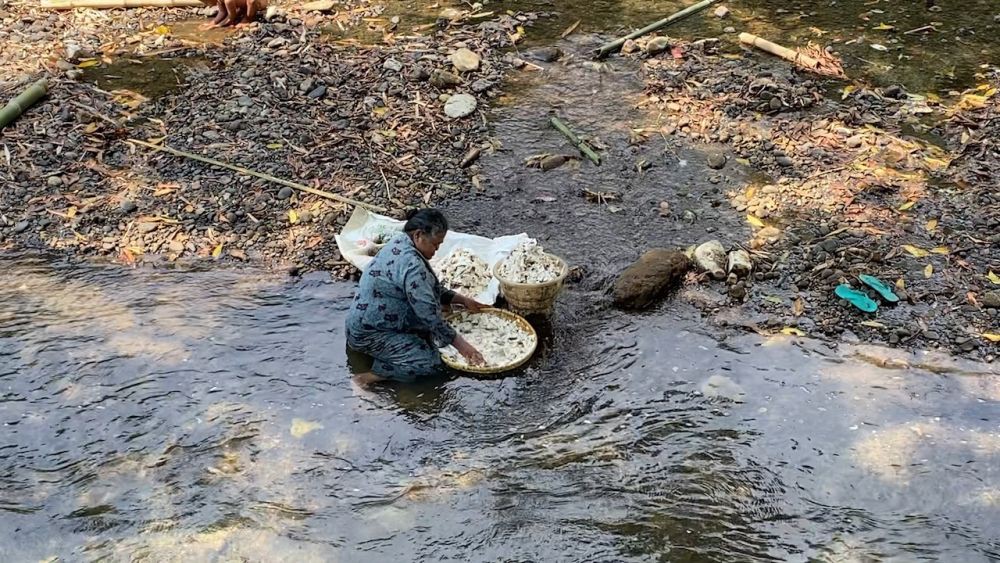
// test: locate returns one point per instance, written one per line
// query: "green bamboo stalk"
(615, 45)
(260, 175)
(22, 102)
(584, 148)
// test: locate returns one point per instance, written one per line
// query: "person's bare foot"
(366, 379)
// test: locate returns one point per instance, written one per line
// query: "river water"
(185, 415)
(208, 416)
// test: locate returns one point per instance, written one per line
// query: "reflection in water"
(226, 429)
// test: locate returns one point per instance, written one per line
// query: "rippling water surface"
(187, 416)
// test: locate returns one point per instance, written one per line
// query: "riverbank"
(395, 124)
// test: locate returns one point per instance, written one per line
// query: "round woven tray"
(523, 324)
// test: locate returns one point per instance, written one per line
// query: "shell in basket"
(505, 340)
(528, 263)
(463, 271)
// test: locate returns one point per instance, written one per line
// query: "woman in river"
(396, 316)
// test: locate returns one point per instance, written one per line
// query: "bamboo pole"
(261, 175)
(777, 50)
(615, 45)
(584, 148)
(109, 4)
(22, 102)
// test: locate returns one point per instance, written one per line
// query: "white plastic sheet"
(363, 223)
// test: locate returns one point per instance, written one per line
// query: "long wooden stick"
(22, 102)
(775, 49)
(584, 148)
(615, 45)
(110, 4)
(260, 175)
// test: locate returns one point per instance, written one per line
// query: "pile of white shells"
(529, 263)
(464, 272)
(500, 340)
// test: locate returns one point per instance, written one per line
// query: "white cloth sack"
(364, 223)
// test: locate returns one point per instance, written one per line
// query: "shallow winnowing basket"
(532, 298)
(520, 321)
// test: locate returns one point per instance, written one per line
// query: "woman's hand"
(468, 350)
(471, 304)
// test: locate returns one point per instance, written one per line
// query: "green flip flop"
(857, 298)
(882, 289)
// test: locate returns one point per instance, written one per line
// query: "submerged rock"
(646, 280)
(544, 54)
(721, 387)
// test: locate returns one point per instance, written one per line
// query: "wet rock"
(724, 388)
(481, 86)
(784, 161)
(716, 161)
(128, 206)
(21, 226)
(895, 92)
(657, 45)
(711, 257)
(646, 280)
(738, 292)
(445, 79)
(739, 263)
(460, 105)
(285, 193)
(991, 300)
(544, 54)
(629, 47)
(418, 74)
(465, 60)
(273, 13)
(552, 162)
(392, 65)
(317, 93)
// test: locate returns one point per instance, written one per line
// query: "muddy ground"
(822, 179)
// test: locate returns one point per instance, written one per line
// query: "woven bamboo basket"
(532, 298)
(520, 321)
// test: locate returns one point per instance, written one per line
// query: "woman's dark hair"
(428, 221)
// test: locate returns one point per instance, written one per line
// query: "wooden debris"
(261, 175)
(22, 102)
(583, 147)
(615, 45)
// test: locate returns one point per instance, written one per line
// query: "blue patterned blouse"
(400, 293)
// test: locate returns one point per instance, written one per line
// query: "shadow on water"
(176, 416)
